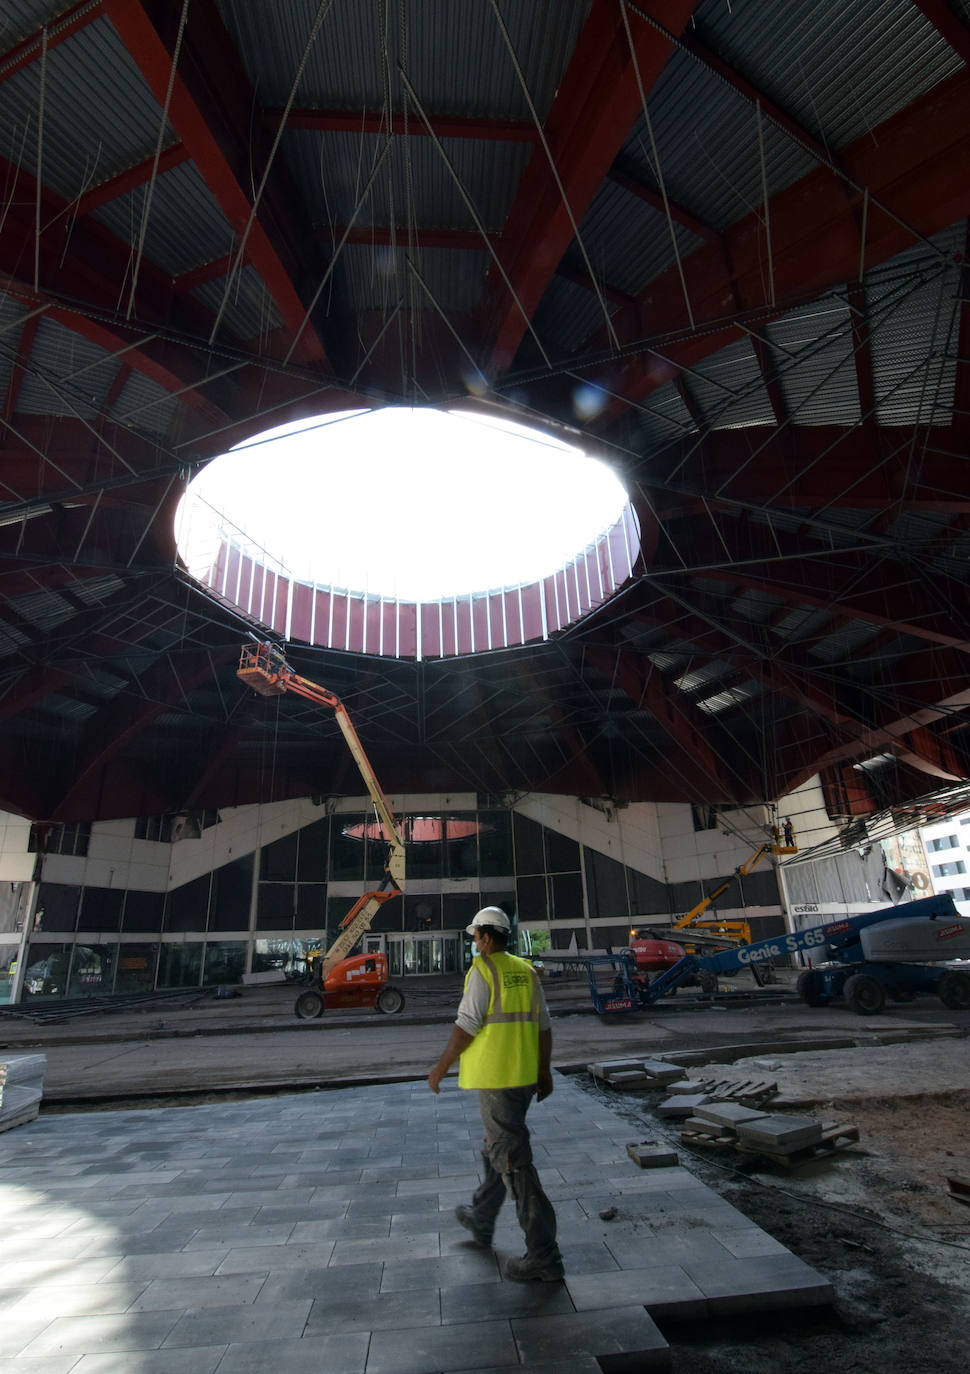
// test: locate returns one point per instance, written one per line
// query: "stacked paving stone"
(21, 1088)
(316, 1232)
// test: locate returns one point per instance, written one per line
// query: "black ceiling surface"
(726, 242)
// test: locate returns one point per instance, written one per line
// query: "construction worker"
(503, 1036)
(789, 833)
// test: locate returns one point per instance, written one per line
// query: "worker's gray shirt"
(473, 1006)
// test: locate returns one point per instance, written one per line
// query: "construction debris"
(649, 1154)
(627, 1074)
(957, 1187)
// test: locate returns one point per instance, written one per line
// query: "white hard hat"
(489, 916)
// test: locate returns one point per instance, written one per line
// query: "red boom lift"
(360, 981)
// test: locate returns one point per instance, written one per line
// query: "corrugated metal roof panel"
(756, 606)
(729, 388)
(414, 184)
(567, 315)
(93, 590)
(734, 696)
(452, 51)
(250, 311)
(815, 363)
(67, 708)
(913, 308)
(378, 278)
(839, 69)
(44, 610)
(20, 19)
(664, 418)
(707, 141)
(185, 228)
(628, 241)
(116, 132)
(146, 406)
(842, 643)
(66, 374)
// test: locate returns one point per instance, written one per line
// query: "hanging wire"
(506, 38)
(656, 161)
(322, 12)
(469, 205)
(40, 155)
(162, 123)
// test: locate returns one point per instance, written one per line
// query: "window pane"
(314, 848)
(57, 906)
(277, 861)
(225, 962)
(274, 906)
(605, 885)
(270, 955)
(495, 844)
(143, 911)
(648, 897)
(136, 968)
(562, 853)
(567, 897)
(461, 846)
(92, 970)
(347, 849)
(528, 845)
(395, 963)
(311, 906)
(424, 849)
(423, 951)
(46, 974)
(531, 899)
(101, 908)
(179, 966)
(186, 907)
(232, 889)
(422, 912)
(458, 908)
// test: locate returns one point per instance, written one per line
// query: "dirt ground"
(876, 1220)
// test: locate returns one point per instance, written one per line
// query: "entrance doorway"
(415, 955)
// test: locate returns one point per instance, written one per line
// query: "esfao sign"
(807, 908)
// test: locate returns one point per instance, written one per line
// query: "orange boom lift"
(360, 981)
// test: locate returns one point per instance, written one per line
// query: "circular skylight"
(411, 505)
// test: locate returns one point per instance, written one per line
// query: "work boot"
(526, 1270)
(482, 1234)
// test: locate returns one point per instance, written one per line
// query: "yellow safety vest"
(505, 1052)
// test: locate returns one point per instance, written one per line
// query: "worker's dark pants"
(508, 1168)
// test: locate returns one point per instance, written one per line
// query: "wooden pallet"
(752, 1092)
(835, 1137)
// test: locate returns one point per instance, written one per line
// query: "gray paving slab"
(474, 1345)
(191, 1237)
(202, 1360)
(621, 1338)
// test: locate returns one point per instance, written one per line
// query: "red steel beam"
(153, 57)
(656, 202)
(126, 181)
(596, 105)
(30, 49)
(907, 164)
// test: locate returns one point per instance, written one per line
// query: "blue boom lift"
(896, 952)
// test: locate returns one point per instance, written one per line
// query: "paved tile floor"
(315, 1232)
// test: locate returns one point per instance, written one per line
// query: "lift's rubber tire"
(707, 980)
(954, 990)
(390, 1001)
(864, 994)
(811, 988)
(309, 1005)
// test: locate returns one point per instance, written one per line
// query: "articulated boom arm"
(263, 668)
(741, 871)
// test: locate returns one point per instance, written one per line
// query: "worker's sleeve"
(544, 1021)
(473, 1007)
